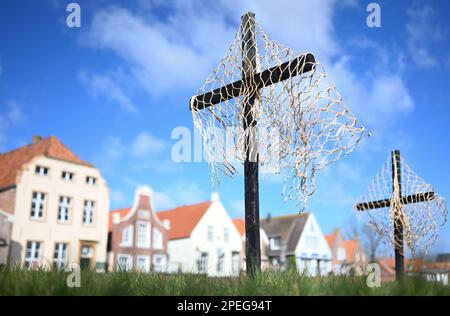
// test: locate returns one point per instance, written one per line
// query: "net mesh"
(411, 203)
(297, 124)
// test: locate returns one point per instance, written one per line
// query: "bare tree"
(372, 241)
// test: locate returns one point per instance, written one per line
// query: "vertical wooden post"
(398, 221)
(249, 64)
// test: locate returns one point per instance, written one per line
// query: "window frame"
(93, 215)
(148, 233)
(29, 262)
(154, 239)
(130, 231)
(147, 263)
(69, 210)
(63, 172)
(57, 261)
(41, 167)
(44, 207)
(129, 262)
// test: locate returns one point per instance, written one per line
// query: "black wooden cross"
(248, 87)
(398, 220)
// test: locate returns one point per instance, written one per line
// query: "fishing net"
(408, 201)
(297, 124)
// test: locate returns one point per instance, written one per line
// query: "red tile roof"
(183, 219)
(330, 239)
(240, 225)
(350, 246)
(11, 162)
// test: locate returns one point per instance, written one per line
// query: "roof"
(411, 265)
(289, 228)
(240, 225)
(122, 212)
(11, 162)
(183, 219)
(330, 238)
(350, 246)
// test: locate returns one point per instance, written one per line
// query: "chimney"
(215, 197)
(166, 223)
(36, 138)
(116, 218)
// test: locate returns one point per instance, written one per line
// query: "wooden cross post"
(397, 215)
(248, 87)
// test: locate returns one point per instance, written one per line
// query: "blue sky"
(114, 89)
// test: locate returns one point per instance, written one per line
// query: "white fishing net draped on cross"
(299, 120)
(419, 209)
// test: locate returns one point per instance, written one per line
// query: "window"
(41, 171)
(124, 262)
(60, 255)
(33, 254)
(210, 233)
(157, 239)
(203, 262)
(91, 180)
(143, 263)
(159, 263)
(143, 234)
(226, 234)
(275, 243)
(88, 212)
(67, 176)
(64, 209)
(37, 205)
(220, 260)
(341, 254)
(127, 237)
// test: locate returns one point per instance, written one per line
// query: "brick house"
(348, 255)
(59, 204)
(137, 237)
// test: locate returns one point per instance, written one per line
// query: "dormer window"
(275, 243)
(67, 176)
(91, 180)
(41, 171)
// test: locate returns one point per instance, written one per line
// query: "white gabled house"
(203, 239)
(297, 239)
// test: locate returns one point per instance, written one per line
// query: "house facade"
(240, 226)
(203, 239)
(59, 203)
(348, 255)
(296, 241)
(137, 237)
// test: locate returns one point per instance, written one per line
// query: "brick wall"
(8, 200)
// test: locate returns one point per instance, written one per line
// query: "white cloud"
(105, 86)
(423, 30)
(146, 144)
(11, 115)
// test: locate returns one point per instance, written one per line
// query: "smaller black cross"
(398, 220)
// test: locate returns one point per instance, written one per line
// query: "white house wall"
(307, 256)
(217, 217)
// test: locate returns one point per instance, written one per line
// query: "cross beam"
(409, 199)
(398, 219)
(248, 87)
(299, 65)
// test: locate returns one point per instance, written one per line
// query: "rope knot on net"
(298, 123)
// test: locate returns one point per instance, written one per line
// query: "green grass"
(21, 282)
